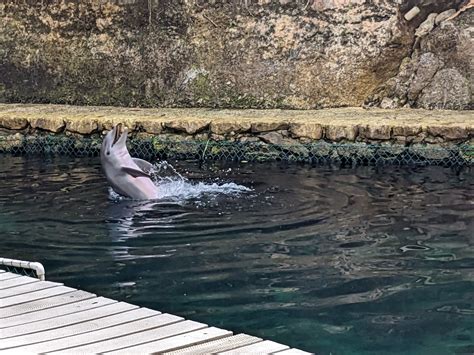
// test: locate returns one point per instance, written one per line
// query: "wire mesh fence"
(251, 151)
(20, 271)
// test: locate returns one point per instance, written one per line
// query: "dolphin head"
(113, 145)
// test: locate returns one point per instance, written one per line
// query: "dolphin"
(128, 176)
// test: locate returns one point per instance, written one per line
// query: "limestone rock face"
(152, 126)
(274, 138)
(375, 132)
(84, 126)
(230, 53)
(54, 125)
(427, 26)
(448, 133)
(438, 73)
(427, 66)
(268, 126)
(444, 16)
(406, 131)
(312, 131)
(226, 127)
(15, 123)
(175, 53)
(448, 90)
(338, 133)
(277, 138)
(188, 126)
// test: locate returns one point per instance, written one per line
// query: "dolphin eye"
(108, 153)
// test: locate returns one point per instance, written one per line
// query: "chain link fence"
(251, 151)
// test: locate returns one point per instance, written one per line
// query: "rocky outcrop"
(438, 72)
(13, 122)
(240, 54)
(447, 90)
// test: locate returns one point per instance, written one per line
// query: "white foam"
(173, 186)
(182, 189)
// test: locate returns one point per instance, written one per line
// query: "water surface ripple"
(335, 261)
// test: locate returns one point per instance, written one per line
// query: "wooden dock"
(48, 317)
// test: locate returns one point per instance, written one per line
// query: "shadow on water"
(360, 261)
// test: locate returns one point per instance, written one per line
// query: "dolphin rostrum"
(128, 176)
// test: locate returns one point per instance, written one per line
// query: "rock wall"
(234, 53)
(344, 125)
(438, 72)
(354, 135)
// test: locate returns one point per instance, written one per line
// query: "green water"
(335, 261)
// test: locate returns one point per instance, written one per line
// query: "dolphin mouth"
(118, 133)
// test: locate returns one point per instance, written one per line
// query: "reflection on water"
(360, 261)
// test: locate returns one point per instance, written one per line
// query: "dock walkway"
(48, 317)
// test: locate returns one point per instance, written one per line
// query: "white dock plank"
(176, 342)
(138, 338)
(64, 334)
(44, 303)
(31, 287)
(212, 347)
(7, 276)
(125, 328)
(66, 320)
(33, 296)
(293, 352)
(39, 317)
(265, 347)
(17, 281)
(26, 319)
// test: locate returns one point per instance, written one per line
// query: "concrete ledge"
(401, 126)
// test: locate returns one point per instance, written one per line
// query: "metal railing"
(27, 268)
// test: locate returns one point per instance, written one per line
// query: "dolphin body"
(128, 176)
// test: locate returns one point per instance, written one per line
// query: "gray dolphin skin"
(128, 176)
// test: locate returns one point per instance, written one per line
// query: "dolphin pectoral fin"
(135, 172)
(143, 165)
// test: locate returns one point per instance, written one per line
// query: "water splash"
(174, 186)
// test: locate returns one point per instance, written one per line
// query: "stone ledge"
(403, 126)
